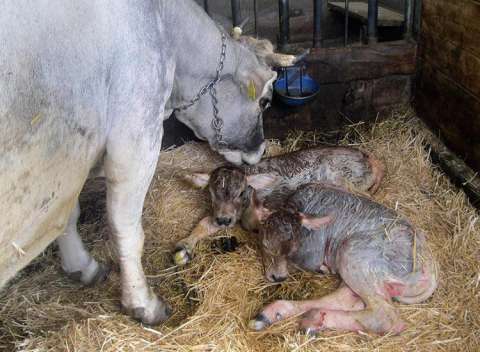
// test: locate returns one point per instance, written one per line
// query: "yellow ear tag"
(252, 91)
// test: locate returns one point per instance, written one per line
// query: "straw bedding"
(215, 295)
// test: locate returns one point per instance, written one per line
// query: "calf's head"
(280, 236)
(231, 191)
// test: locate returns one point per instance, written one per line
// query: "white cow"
(87, 84)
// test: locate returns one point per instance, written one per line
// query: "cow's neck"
(197, 43)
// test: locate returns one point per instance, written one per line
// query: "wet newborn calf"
(243, 193)
(378, 255)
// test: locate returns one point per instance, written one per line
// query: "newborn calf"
(378, 255)
(242, 193)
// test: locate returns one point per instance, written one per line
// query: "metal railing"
(411, 19)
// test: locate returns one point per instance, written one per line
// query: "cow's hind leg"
(129, 167)
(76, 261)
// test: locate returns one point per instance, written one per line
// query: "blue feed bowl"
(293, 97)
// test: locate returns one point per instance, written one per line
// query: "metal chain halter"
(217, 122)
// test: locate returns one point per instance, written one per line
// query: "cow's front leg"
(184, 248)
(129, 167)
(76, 261)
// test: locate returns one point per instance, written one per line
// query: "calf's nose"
(276, 278)
(224, 221)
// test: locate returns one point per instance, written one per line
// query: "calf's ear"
(313, 222)
(260, 181)
(198, 180)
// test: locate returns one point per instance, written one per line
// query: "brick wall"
(448, 85)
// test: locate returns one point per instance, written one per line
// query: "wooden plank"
(460, 65)
(359, 11)
(451, 111)
(468, 38)
(448, 91)
(333, 65)
(459, 172)
(357, 100)
(463, 12)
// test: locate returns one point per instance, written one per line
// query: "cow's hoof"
(155, 314)
(94, 274)
(182, 255)
(259, 323)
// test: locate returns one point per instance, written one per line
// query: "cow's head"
(242, 95)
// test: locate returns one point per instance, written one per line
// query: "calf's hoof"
(225, 244)
(95, 273)
(312, 322)
(259, 323)
(182, 255)
(153, 314)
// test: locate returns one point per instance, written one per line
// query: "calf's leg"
(379, 317)
(184, 248)
(341, 299)
(76, 261)
(364, 271)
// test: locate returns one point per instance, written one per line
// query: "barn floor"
(216, 294)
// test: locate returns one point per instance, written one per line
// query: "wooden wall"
(356, 84)
(447, 93)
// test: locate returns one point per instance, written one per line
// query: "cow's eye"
(264, 103)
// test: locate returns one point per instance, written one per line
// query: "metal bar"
(372, 20)
(236, 18)
(286, 80)
(408, 18)
(347, 17)
(255, 12)
(317, 23)
(301, 80)
(284, 18)
(244, 23)
(417, 18)
(205, 6)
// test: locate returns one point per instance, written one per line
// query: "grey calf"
(378, 254)
(245, 193)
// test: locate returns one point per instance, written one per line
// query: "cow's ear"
(314, 222)
(261, 181)
(265, 50)
(196, 179)
(255, 84)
